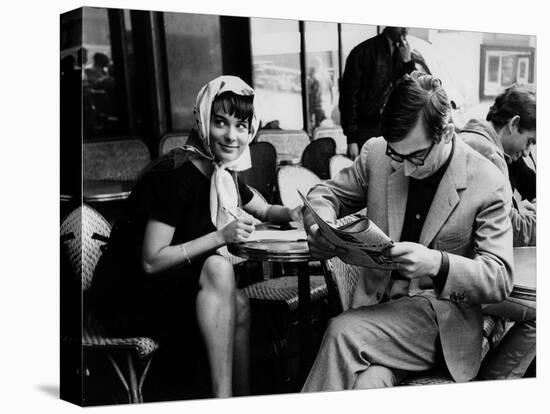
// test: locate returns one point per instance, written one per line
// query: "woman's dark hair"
(516, 100)
(239, 106)
(415, 95)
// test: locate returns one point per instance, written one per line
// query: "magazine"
(363, 240)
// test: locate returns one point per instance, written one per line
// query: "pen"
(231, 214)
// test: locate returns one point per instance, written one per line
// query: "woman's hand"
(237, 231)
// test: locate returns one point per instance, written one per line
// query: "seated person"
(505, 138)
(160, 275)
(421, 186)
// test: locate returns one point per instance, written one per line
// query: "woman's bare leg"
(241, 356)
(216, 314)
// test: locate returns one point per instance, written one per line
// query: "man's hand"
(525, 206)
(319, 247)
(404, 49)
(295, 214)
(415, 260)
(353, 150)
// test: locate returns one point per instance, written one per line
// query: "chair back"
(121, 160)
(291, 142)
(264, 168)
(341, 277)
(338, 163)
(336, 133)
(84, 231)
(316, 157)
(171, 141)
(293, 178)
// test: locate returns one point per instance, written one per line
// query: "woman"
(160, 274)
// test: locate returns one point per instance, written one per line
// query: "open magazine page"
(363, 240)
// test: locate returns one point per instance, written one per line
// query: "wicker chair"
(285, 141)
(341, 279)
(293, 178)
(83, 233)
(316, 157)
(121, 160)
(264, 168)
(171, 141)
(338, 163)
(336, 133)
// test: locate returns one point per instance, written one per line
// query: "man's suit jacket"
(468, 218)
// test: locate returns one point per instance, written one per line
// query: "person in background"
(372, 68)
(505, 138)
(453, 249)
(161, 275)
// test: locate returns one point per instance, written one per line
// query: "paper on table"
(278, 235)
(363, 240)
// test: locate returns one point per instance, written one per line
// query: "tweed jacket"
(468, 218)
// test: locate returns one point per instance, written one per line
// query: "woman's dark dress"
(161, 306)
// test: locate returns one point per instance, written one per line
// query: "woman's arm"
(281, 214)
(264, 211)
(158, 255)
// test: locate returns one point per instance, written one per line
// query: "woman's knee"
(217, 274)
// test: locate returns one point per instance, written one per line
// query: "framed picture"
(504, 66)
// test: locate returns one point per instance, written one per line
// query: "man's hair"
(516, 100)
(239, 106)
(415, 96)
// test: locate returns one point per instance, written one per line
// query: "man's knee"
(344, 327)
(217, 274)
(377, 376)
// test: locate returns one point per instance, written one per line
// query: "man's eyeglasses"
(417, 158)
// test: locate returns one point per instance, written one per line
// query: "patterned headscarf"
(223, 191)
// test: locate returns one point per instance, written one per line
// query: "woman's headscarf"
(223, 190)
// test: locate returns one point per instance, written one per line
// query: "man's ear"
(448, 132)
(513, 123)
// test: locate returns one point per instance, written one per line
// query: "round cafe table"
(288, 159)
(525, 273)
(105, 190)
(287, 252)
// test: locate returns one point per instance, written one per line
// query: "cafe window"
(322, 69)
(104, 113)
(502, 67)
(194, 57)
(276, 71)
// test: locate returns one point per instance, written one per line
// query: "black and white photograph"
(285, 209)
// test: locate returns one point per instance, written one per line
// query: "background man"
(372, 68)
(505, 137)
(455, 249)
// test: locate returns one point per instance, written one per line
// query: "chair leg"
(132, 385)
(120, 376)
(135, 395)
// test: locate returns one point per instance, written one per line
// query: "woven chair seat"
(94, 337)
(285, 289)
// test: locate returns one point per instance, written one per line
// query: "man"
(455, 249)
(504, 138)
(372, 68)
